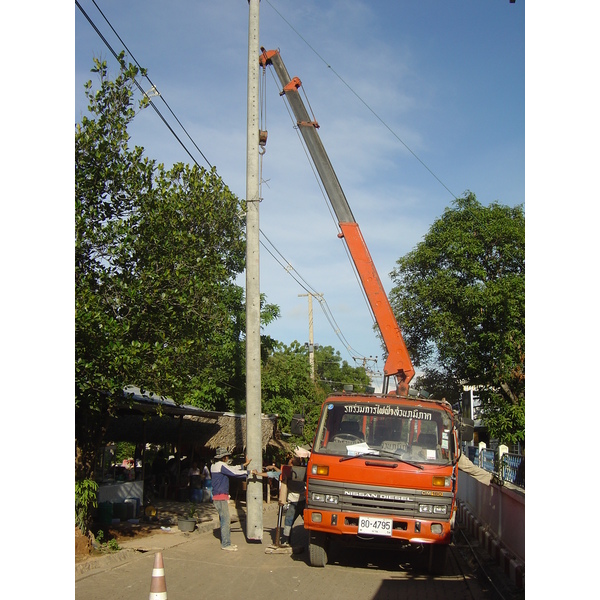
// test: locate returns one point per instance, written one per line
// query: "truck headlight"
(331, 499)
(440, 481)
(318, 497)
(431, 508)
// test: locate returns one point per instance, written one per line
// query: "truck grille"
(366, 499)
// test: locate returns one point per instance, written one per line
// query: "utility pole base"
(272, 549)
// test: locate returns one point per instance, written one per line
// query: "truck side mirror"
(466, 429)
(297, 425)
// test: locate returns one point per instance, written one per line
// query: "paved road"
(195, 567)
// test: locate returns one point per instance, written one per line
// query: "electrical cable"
(153, 86)
(291, 271)
(151, 103)
(363, 101)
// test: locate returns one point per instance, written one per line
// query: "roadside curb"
(512, 567)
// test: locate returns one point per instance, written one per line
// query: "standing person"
(296, 497)
(206, 484)
(159, 474)
(195, 483)
(271, 471)
(220, 472)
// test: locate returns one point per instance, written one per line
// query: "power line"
(291, 271)
(362, 101)
(91, 22)
(153, 86)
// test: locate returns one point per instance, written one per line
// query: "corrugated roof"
(150, 418)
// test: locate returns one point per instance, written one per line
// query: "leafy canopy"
(460, 299)
(156, 256)
(288, 388)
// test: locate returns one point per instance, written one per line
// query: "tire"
(317, 548)
(438, 554)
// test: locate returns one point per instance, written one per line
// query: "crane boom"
(398, 363)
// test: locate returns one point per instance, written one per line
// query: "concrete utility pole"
(254, 501)
(311, 341)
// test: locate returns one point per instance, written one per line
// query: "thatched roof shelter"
(148, 418)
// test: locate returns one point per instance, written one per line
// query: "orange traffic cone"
(158, 587)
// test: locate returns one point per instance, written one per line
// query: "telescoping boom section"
(398, 363)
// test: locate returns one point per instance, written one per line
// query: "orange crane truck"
(383, 467)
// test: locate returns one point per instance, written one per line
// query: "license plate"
(374, 526)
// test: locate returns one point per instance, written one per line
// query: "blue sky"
(444, 77)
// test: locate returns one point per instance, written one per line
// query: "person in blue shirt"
(220, 473)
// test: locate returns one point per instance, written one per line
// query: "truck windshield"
(413, 433)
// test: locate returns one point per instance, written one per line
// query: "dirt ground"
(167, 514)
(119, 533)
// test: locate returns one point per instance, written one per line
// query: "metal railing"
(506, 466)
(512, 469)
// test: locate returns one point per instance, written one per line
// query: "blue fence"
(487, 460)
(511, 467)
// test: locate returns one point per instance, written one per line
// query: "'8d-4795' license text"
(373, 526)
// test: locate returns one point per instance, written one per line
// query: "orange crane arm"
(398, 363)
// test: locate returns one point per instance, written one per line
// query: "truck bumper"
(413, 531)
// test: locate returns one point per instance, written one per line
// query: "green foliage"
(439, 383)
(156, 256)
(192, 509)
(460, 300)
(287, 387)
(86, 498)
(333, 372)
(504, 419)
(123, 451)
(109, 546)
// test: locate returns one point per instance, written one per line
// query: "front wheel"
(317, 548)
(438, 554)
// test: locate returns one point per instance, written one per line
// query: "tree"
(460, 299)
(288, 389)
(286, 386)
(156, 256)
(333, 372)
